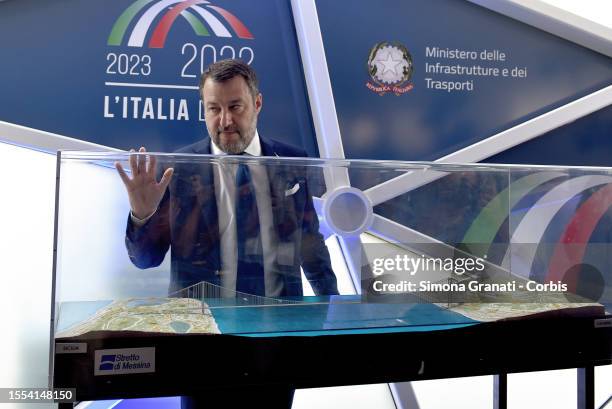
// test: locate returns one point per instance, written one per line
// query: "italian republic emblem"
(390, 67)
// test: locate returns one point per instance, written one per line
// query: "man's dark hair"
(225, 70)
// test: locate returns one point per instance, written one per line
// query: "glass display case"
(160, 256)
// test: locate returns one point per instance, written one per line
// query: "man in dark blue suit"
(191, 209)
(197, 210)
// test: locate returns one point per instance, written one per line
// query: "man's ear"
(258, 102)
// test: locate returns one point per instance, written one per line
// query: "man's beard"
(237, 146)
(234, 147)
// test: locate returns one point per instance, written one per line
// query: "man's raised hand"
(143, 190)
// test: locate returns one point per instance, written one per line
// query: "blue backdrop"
(65, 70)
(426, 123)
(584, 142)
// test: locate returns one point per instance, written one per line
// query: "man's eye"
(213, 109)
(236, 107)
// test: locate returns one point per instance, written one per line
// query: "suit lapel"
(210, 216)
(198, 192)
(283, 207)
(274, 179)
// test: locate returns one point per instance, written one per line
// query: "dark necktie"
(250, 271)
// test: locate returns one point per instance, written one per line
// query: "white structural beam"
(495, 144)
(404, 396)
(396, 233)
(554, 20)
(44, 141)
(319, 88)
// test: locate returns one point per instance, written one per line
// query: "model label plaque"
(603, 323)
(124, 361)
(71, 348)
